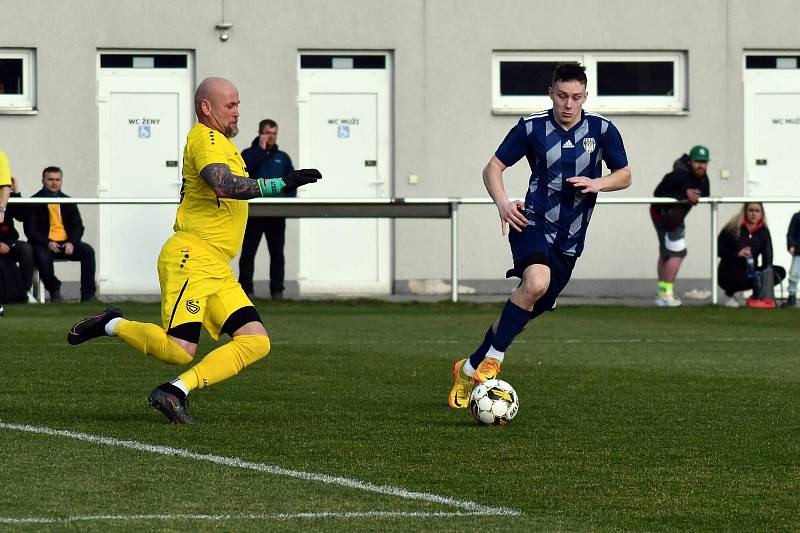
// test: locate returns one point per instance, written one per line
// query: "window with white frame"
(618, 82)
(17, 90)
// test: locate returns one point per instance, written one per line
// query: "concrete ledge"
(608, 291)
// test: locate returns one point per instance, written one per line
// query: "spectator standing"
(14, 250)
(264, 160)
(745, 251)
(793, 245)
(688, 181)
(55, 231)
(22, 277)
(5, 184)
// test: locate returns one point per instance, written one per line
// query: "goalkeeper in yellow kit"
(198, 288)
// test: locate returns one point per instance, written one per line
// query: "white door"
(144, 116)
(772, 138)
(345, 132)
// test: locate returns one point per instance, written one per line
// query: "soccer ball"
(494, 402)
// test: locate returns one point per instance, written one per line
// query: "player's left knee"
(253, 347)
(535, 288)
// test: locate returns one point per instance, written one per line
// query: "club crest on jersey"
(589, 144)
(192, 306)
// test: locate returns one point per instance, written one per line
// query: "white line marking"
(225, 517)
(538, 341)
(428, 342)
(235, 462)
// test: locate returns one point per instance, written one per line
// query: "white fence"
(421, 208)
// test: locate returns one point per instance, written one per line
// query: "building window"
(327, 61)
(618, 82)
(148, 61)
(772, 62)
(17, 80)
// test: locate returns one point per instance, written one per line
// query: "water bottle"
(751, 268)
(754, 277)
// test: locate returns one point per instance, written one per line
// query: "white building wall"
(444, 129)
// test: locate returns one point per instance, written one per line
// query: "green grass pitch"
(631, 419)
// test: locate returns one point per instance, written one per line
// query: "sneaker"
(488, 369)
(697, 294)
(93, 326)
(761, 303)
(171, 405)
(667, 300)
(732, 302)
(462, 387)
(31, 298)
(55, 297)
(791, 301)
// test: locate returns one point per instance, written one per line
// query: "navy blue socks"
(478, 355)
(512, 321)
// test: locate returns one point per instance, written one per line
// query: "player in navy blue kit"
(565, 148)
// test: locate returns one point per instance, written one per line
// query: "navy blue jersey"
(555, 154)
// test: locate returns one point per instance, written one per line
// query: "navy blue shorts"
(530, 247)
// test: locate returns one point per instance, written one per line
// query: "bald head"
(216, 103)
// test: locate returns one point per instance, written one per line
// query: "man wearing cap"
(688, 182)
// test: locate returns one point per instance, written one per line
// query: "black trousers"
(274, 229)
(22, 254)
(44, 258)
(733, 278)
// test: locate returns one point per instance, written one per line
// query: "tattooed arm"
(219, 177)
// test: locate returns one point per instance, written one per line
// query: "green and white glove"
(290, 183)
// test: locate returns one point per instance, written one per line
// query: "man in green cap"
(687, 182)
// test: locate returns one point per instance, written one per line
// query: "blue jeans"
(794, 274)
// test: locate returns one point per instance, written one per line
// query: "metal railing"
(420, 208)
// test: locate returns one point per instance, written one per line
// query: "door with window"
(345, 130)
(145, 111)
(772, 137)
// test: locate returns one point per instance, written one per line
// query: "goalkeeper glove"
(271, 187)
(298, 178)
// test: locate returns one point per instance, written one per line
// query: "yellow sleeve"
(5, 170)
(210, 149)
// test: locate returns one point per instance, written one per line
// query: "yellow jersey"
(5, 170)
(219, 222)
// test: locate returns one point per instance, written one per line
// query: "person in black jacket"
(688, 181)
(793, 245)
(55, 231)
(264, 160)
(745, 252)
(12, 248)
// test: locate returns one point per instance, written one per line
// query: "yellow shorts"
(197, 285)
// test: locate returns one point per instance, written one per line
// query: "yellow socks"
(219, 365)
(664, 288)
(150, 339)
(226, 361)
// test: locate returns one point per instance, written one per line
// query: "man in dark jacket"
(688, 181)
(264, 160)
(793, 245)
(55, 231)
(12, 248)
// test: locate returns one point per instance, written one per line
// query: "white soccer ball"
(494, 402)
